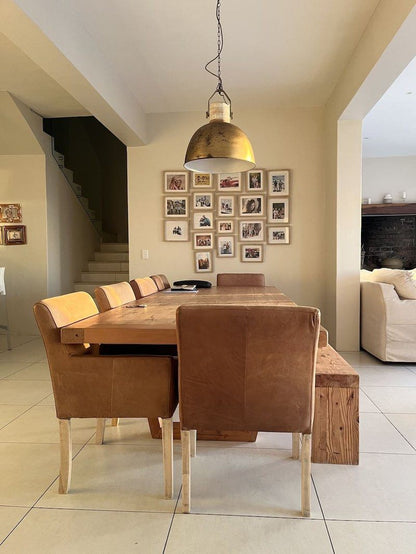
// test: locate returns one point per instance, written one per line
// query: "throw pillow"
(403, 281)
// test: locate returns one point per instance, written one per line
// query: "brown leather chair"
(240, 280)
(112, 296)
(255, 372)
(143, 287)
(87, 385)
(161, 281)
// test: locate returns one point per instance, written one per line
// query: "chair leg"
(306, 475)
(167, 445)
(193, 443)
(295, 445)
(186, 471)
(65, 469)
(115, 421)
(99, 433)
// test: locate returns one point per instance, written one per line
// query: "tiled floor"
(246, 497)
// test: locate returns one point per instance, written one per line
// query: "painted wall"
(281, 139)
(389, 175)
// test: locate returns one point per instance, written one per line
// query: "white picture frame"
(226, 246)
(278, 235)
(255, 181)
(251, 205)
(202, 180)
(229, 182)
(203, 220)
(203, 240)
(225, 226)
(176, 230)
(176, 206)
(251, 231)
(278, 182)
(226, 205)
(175, 182)
(203, 200)
(252, 253)
(203, 262)
(278, 210)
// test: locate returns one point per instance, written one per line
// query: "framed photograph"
(278, 184)
(202, 201)
(255, 180)
(176, 207)
(225, 226)
(202, 180)
(226, 247)
(226, 205)
(203, 262)
(278, 235)
(202, 241)
(251, 230)
(230, 182)
(177, 231)
(11, 213)
(14, 234)
(252, 205)
(176, 181)
(278, 210)
(203, 220)
(251, 252)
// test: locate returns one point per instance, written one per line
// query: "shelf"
(389, 209)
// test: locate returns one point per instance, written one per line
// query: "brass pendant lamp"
(219, 146)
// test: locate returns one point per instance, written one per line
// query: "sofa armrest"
(374, 300)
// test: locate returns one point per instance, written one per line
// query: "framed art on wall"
(177, 231)
(252, 205)
(251, 252)
(278, 210)
(251, 230)
(176, 181)
(203, 262)
(230, 182)
(201, 180)
(11, 213)
(278, 235)
(255, 180)
(176, 207)
(203, 220)
(278, 182)
(226, 205)
(202, 201)
(225, 226)
(226, 247)
(14, 234)
(203, 241)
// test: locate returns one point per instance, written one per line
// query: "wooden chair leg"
(167, 445)
(193, 443)
(65, 469)
(295, 445)
(186, 471)
(306, 475)
(115, 421)
(99, 433)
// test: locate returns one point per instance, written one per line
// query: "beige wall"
(281, 139)
(389, 175)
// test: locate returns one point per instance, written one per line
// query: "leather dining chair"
(259, 377)
(87, 385)
(112, 296)
(143, 287)
(161, 281)
(240, 280)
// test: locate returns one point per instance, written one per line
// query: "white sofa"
(388, 321)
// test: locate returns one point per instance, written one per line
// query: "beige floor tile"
(366, 405)
(377, 434)
(8, 368)
(32, 351)
(69, 532)
(116, 478)
(9, 517)
(387, 376)
(353, 537)
(399, 400)
(35, 372)
(406, 424)
(47, 401)
(381, 488)
(362, 358)
(247, 481)
(10, 412)
(23, 392)
(129, 431)
(201, 534)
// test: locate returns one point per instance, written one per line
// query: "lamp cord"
(220, 45)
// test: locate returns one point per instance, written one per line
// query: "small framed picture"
(255, 180)
(202, 241)
(203, 262)
(278, 210)
(225, 226)
(201, 180)
(278, 235)
(11, 213)
(278, 183)
(176, 207)
(226, 205)
(176, 181)
(177, 231)
(252, 205)
(203, 220)
(226, 247)
(14, 234)
(251, 230)
(251, 252)
(230, 182)
(202, 201)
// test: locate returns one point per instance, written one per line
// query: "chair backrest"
(112, 296)
(240, 280)
(161, 281)
(247, 367)
(143, 287)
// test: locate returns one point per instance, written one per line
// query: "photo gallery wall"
(226, 215)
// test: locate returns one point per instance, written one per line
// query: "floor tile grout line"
(323, 513)
(171, 521)
(16, 526)
(400, 433)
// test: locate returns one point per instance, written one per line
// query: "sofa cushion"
(403, 281)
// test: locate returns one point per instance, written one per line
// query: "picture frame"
(176, 230)
(225, 226)
(251, 205)
(203, 262)
(230, 182)
(278, 235)
(226, 247)
(278, 182)
(202, 180)
(203, 240)
(255, 180)
(252, 253)
(251, 230)
(203, 220)
(226, 205)
(175, 182)
(13, 234)
(11, 213)
(278, 210)
(176, 206)
(202, 201)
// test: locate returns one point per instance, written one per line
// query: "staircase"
(110, 265)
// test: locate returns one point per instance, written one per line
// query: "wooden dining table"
(152, 320)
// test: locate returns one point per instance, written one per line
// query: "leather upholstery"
(247, 367)
(240, 280)
(112, 296)
(143, 287)
(161, 281)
